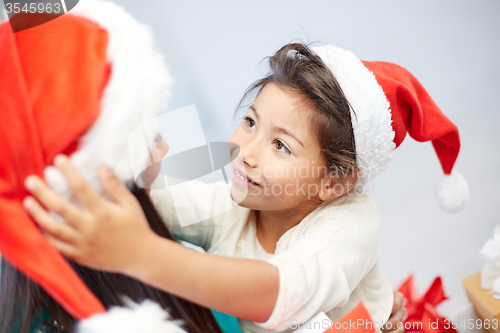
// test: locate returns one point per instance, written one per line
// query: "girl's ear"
(333, 187)
(328, 188)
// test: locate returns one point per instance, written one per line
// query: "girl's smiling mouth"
(240, 178)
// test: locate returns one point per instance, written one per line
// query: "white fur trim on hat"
(373, 133)
(136, 92)
(147, 317)
(452, 192)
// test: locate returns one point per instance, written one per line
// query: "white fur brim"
(137, 90)
(452, 192)
(371, 123)
(147, 317)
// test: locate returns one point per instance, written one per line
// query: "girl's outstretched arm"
(244, 288)
(116, 237)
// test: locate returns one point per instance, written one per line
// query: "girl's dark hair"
(297, 69)
(20, 298)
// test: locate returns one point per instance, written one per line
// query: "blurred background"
(214, 51)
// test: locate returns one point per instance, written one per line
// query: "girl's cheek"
(299, 188)
(281, 187)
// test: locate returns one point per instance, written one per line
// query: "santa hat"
(78, 85)
(389, 102)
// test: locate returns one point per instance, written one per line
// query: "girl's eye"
(249, 121)
(280, 145)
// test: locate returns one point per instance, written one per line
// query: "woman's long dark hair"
(16, 289)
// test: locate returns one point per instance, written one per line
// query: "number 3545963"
(34, 7)
(471, 324)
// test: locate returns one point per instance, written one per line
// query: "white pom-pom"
(452, 192)
(147, 317)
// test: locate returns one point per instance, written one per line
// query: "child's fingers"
(398, 330)
(52, 201)
(394, 319)
(397, 316)
(398, 301)
(67, 250)
(48, 224)
(80, 187)
(114, 187)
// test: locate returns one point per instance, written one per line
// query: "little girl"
(303, 237)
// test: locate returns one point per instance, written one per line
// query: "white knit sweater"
(328, 262)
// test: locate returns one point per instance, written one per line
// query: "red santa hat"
(78, 85)
(389, 102)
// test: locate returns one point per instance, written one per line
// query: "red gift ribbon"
(421, 311)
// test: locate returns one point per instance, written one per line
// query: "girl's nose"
(249, 152)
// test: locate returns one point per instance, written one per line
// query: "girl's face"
(278, 152)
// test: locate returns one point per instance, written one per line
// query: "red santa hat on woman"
(389, 102)
(78, 85)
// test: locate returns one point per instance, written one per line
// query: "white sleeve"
(322, 268)
(192, 210)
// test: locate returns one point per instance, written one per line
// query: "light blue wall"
(213, 49)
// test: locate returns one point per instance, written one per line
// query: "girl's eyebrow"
(276, 128)
(284, 131)
(254, 111)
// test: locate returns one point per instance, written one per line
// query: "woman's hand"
(109, 236)
(397, 314)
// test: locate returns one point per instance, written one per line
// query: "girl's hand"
(108, 236)
(397, 315)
